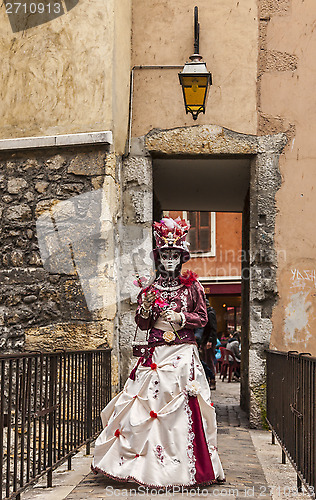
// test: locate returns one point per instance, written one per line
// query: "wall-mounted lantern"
(194, 78)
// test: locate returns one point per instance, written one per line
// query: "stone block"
(16, 184)
(24, 276)
(29, 299)
(75, 300)
(127, 329)
(17, 258)
(257, 365)
(114, 373)
(111, 165)
(138, 147)
(45, 206)
(41, 186)
(260, 329)
(29, 196)
(18, 213)
(201, 139)
(138, 171)
(55, 162)
(89, 163)
(137, 205)
(66, 336)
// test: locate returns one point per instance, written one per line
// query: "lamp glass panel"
(194, 98)
(188, 81)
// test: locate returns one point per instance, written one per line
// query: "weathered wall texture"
(286, 98)
(57, 238)
(163, 34)
(65, 73)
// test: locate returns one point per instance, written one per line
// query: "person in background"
(225, 338)
(207, 344)
(233, 345)
(218, 353)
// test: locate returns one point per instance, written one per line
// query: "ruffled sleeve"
(197, 317)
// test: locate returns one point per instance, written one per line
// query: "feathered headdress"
(171, 233)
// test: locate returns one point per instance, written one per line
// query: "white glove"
(171, 316)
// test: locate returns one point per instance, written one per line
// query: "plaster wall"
(287, 96)
(163, 35)
(66, 73)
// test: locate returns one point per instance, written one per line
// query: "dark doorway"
(196, 188)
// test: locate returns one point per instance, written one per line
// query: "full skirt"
(160, 430)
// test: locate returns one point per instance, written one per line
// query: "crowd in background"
(210, 343)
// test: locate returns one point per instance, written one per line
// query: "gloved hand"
(148, 300)
(171, 316)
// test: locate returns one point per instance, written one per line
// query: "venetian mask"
(170, 259)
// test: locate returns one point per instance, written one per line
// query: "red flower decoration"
(212, 404)
(153, 414)
(117, 433)
(136, 456)
(153, 366)
(188, 278)
(161, 303)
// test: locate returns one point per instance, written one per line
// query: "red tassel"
(133, 372)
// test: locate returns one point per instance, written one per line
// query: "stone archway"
(260, 290)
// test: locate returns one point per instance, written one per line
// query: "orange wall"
(227, 261)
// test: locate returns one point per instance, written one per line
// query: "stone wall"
(57, 270)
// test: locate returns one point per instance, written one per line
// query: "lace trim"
(191, 436)
(191, 376)
(168, 288)
(97, 470)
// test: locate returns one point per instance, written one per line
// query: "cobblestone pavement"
(247, 467)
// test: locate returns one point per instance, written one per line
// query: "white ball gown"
(160, 430)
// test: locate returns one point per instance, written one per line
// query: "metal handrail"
(50, 406)
(291, 411)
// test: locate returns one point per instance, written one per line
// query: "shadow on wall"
(25, 15)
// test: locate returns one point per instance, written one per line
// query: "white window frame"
(212, 251)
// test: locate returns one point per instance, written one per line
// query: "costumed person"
(160, 430)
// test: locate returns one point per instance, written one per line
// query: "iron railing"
(50, 406)
(291, 411)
